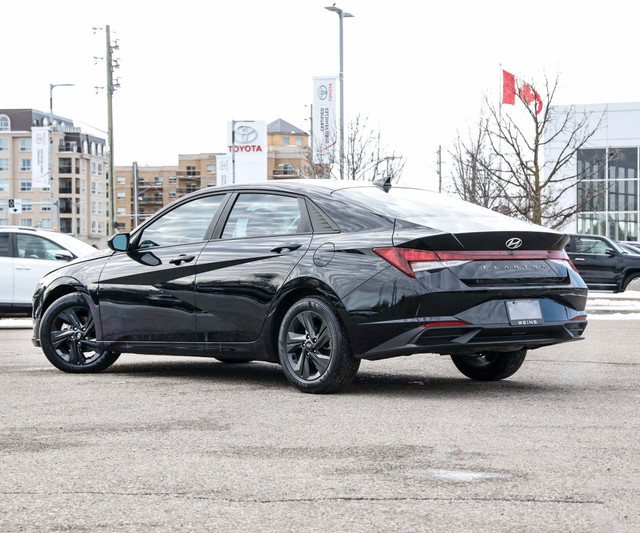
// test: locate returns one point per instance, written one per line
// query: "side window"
(589, 245)
(184, 224)
(257, 215)
(34, 247)
(5, 249)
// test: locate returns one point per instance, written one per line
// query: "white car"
(26, 255)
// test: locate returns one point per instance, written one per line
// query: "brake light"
(409, 261)
(403, 258)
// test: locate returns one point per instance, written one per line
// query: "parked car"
(633, 247)
(603, 263)
(27, 254)
(316, 275)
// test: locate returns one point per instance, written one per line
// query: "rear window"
(433, 210)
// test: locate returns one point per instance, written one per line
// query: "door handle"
(182, 258)
(23, 268)
(579, 259)
(286, 248)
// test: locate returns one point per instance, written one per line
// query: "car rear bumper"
(470, 339)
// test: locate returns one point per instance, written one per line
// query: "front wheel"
(68, 337)
(314, 349)
(490, 366)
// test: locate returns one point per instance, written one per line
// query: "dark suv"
(602, 263)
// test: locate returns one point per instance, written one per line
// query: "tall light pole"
(54, 216)
(342, 15)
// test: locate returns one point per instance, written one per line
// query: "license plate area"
(524, 312)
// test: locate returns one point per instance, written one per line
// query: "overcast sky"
(418, 70)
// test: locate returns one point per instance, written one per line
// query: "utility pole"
(135, 194)
(111, 87)
(439, 168)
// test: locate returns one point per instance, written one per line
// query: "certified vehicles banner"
(325, 133)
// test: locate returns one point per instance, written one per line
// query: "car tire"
(232, 361)
(68, 337)
(633, 280)
(490, 366)
(313, 348)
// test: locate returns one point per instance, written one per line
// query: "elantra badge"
(513, 243)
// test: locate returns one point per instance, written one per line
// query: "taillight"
(406, 259)
(410, 261)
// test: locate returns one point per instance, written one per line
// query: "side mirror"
(64, 255)
(119, 242)
(610, 252)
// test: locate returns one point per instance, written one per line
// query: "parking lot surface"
(163, 443)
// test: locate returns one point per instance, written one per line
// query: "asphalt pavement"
(168, 444)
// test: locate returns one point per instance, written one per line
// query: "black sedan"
(316, 275)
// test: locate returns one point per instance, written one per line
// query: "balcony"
(65, 186)
(150, 200)
(68, 146)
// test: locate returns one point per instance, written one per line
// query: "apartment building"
(79, 204)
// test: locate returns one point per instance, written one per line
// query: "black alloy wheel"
(68, 337)
(313, 348)
(490, 366)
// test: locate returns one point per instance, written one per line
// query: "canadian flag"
(526, 93)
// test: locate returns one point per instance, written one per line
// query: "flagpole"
(500, 100)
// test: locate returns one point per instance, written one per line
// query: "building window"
(25, 165)
(211, 168)
(4, 145)
(26, 222)
(121, 211)
(4, 123)
(121, 180)
(299, 141)
(4, 164)
(45, 205)
(65, 165)
(286, 140)
(25, 185)
(93, 168)
(173, 179)
(121, 195)
(99, 169)
(26, 206)
(4, 184)
(25, 144)
(191, 170)
(172, 195)
(158, 180)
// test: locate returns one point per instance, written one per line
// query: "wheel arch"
(68, 285)
(291, 293)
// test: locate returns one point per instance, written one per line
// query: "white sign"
(247, 147)
(223, 169)
(325, 131)
(40, 175)
(15, 206)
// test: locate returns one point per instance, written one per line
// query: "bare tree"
(366, 158)
(469, 179)
(532, 188)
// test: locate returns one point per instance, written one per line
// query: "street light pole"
(342, 15)
(54, 216)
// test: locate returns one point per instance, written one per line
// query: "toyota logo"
(323, 92)
(513, 243)
(245, 134)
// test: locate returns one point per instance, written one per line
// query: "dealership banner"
(40, 158)
(223, 169)
(248, 141)
(325, 131)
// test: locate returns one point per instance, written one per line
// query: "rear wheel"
(68, 337)
(490, 366)
(313, 348)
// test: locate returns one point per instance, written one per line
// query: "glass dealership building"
(606, 193)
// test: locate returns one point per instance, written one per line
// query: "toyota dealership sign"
(246, 158)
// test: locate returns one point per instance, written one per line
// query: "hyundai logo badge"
(513, 243)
